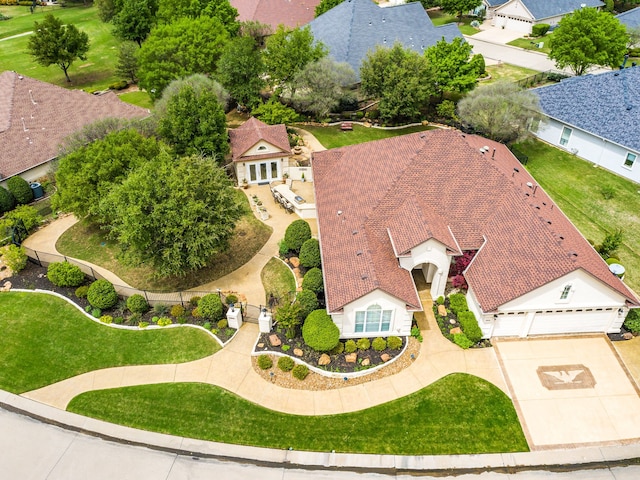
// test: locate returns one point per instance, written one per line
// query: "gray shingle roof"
(550, 8)
(354, 27)
(495, 3)
(630, 18)
(607, 105)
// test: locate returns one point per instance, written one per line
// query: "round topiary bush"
(177, 311)
(363, 344)
(224, 323)
(379, 344)
(137, 304)
(20, 189)
(297, 233)
(7, 200)
(338, 349)
(308, 302)
(101, 294)
(264, 362)
(286, 364)
(210, 307)
(300, 372)
(310, 253)
(350, 346)
(231, 299)
(313, 281)
(394, 343)
(319, 331)
(64, 274)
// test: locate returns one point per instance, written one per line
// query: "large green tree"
(127, 65)
(107, 9)
(173, 214)
(501, 111)
(53, 43)
(402, 79)
(135, 20)
(455, 73)
(459, 7)
(586, 38)
(326, 5)
(240, 70)
(171, 10)
(181, 48)
(193, 121)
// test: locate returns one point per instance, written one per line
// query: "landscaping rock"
(6, 287)
(385, 357)
(627, 335)
(442, 311)
(351, 357)
(274, 340)
(260, 345)
(295, 262)
(324, 359)
(297, 352)
(366, 362)
(452, 321)
(455, 330)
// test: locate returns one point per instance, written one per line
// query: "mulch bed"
(450, 322)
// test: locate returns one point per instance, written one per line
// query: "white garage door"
(570, 322)
(516, 24)
(509, 325)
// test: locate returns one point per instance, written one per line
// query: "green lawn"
(459, 414)
(576, 186)
(506, 71)
(277, 279)
(139, 98)
(333, 137)
(531, 43)
(438, 17)
(95, 73)
(45, 340)
(86, 241)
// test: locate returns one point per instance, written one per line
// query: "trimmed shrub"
(101, 294)
(207, 325)
(7, 200)
(296, 234)
(164, 321)
(363, 344)
(350, 346)
(231, 299)
(81, 292)
(106, 319)
(394, 343)
(224, 323)
(96, 312)
(286, 364)
(300, 372)
(264, 362)
(462, 341)
(379, 344)
(440, 300)
(470, 326)
(415, 333)
(283, 248)
(210, 307)
(195, 313)
(14, 257)
(64, 274)
(612, 260)
(20, 189)
(137, 304)
(193, 301)
(458, 303)
(313, 281)
(310, 253)
(338, 349)
(540, 29)
(177, 311)
(632, 322)
(28, 214)
(308, 302)
(319, 331)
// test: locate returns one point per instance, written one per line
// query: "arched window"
(262, 147)
(373, 319)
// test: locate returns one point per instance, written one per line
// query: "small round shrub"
(350, 346)
(296, 234)
(101, 294)
(379, 344)
(462, 341)
(286, 364)
(283, 248)
(14, 257)
(363, 344)
(164, 321)
(313, 281)
(177, 311)
(207, 325)
(106, 319)
(338, 349)
(310, 253)
(308, 302)
(286, 348)
(195, 313)
(96, 313)
(81, 292)
(137, 304)
(193, 301)
(231, 299)
(300, 372)
(7, 200)
(210, 307)
(632, 322)
(265, 362)
(394, 343)
(20, 189)
(65, 274)
(611, 260)
(118, 320)
(440, 300)
(155, 319)
(319, 331)
(223, 323)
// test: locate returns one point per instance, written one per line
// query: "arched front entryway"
(427, 276)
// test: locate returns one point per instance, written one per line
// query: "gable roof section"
(291, 13)
(495, 3)
(251, 132)
(541, 9)
(630, 18)
(355, 27)
(36, 116)
(606, 105)
(429, 180)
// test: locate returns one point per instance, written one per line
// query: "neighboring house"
(35, 117)
(407, 206)
(489, 6)
(596, 117)
(275, 12)
(630, 18)
(355, 27)
(521, 15)
(260, 152)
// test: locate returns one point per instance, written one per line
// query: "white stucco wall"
(589, 147)
(515, 8)
(32, 175)
(433, 256)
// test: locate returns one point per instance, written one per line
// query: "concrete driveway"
(570, 391)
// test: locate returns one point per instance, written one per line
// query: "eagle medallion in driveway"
(570, 391)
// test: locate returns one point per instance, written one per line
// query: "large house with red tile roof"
(408, 206)
(290, 13)
(35, 117)
(260, 152)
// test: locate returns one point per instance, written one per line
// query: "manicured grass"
(277, 279)
(333, 137)
(506, 71)
(576, 186)
(45, 340)
(438, 17)
(139, 98)
(95, 73)
(530, 43)
(459, 414)
(87, 241)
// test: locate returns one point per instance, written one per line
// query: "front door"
(263, 172)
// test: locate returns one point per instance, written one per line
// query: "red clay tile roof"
(251, 132)
(441, 186)
(36, 116)
(291, 13)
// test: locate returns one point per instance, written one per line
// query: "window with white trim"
(565, 292)
(566, 134)
(630, 160)
(373, 319)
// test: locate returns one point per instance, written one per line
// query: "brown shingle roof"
(438, 184)
(251, 132)
(36, 116)
(291, 13)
